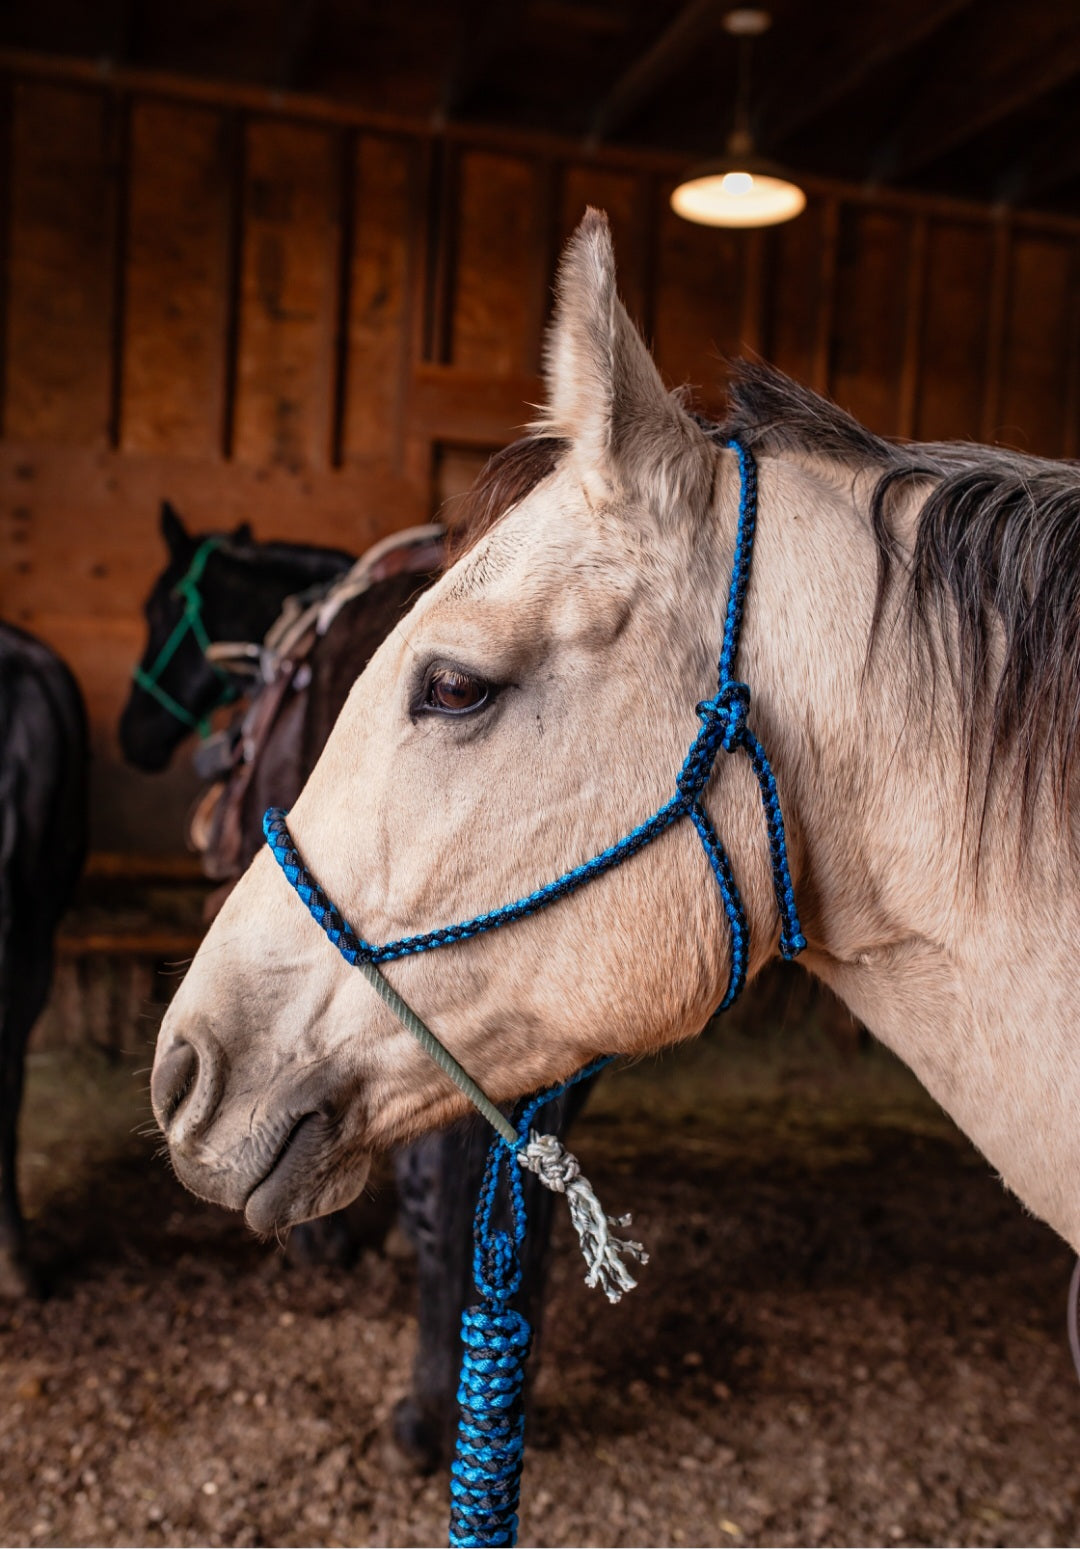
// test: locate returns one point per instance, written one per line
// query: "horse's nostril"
(173, 1079)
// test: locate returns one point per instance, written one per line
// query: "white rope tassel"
(560, 1170)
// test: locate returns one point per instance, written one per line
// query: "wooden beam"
(125, 866)
(870, 42)
(471, 408)
(1008, 55)
(1044, 164)
(696, 20)
(485, 30)
(172, 945)
(303, 108)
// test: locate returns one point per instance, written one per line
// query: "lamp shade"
(738, 191)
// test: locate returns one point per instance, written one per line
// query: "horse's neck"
(963, 969)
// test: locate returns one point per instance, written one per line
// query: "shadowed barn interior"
(290, 264)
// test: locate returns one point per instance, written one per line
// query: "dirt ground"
(848, 1333)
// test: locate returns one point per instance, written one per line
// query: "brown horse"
(912, 637)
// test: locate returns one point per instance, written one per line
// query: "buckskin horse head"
(911, 638)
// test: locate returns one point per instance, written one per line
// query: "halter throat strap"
(189, 622)
(723, 727)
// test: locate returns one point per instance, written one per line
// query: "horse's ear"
(177, 538)
(243, 533)
(605, 394)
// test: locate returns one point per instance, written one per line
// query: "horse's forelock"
(505, 479)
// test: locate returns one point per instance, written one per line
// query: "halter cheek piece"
(485, 1477)
(189, 622)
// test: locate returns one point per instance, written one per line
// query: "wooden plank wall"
(323, 327)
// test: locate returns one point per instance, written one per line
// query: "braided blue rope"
(485, 1476)
(486, 1473)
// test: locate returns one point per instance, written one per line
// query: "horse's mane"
(996, 557)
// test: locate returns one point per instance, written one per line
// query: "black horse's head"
(215, 587)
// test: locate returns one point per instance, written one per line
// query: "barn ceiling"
(976, 98)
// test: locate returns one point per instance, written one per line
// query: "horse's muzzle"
(293, 1163)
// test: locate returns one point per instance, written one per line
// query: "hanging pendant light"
(741, 188)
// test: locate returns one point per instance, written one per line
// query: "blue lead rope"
(487, 1467)
(485, 1476)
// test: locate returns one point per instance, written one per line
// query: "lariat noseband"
(486, 1472)
(189, 622)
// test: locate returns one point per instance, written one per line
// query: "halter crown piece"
(486, 1473)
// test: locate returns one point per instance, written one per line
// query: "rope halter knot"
(723, 725)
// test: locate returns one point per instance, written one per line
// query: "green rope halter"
(190, 621)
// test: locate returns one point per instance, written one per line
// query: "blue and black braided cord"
(485, 1476)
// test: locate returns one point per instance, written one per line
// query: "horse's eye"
(454, 692)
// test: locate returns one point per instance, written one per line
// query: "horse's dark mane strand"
(996, 555)
(505, 479)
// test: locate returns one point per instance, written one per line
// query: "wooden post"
(6, 92)
(913, 320)
(346, 220)
(120, 174)
(826, 305)
(995, 330)
(753, 292)
(1071, 427)
(236, 138)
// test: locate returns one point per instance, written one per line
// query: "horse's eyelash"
(420, 706)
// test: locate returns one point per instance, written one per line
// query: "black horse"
(438, 1178)
(215, 587)
(43, 803)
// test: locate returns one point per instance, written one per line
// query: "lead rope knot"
(605, 1254)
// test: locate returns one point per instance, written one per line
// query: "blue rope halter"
(190, 621)
(487, 1469)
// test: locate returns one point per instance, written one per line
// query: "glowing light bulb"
(736, 185)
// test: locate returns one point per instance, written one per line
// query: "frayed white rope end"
(605, 1254)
